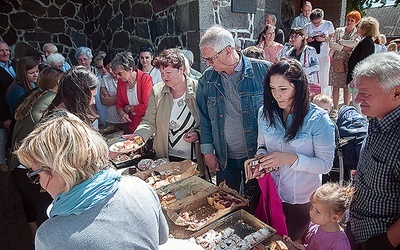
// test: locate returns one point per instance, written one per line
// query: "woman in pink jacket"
(133, 89)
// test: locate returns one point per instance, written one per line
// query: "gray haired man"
(375, 208)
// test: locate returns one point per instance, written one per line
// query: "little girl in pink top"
(328, 204)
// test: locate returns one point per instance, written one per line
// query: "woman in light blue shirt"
(295, 137)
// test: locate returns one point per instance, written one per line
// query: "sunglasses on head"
(146, 48)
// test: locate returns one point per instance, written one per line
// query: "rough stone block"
(59, 2)
(97, 39)
(5, 7)
(33, 7)
(158, 28)
(90, 12)
(37, 36)
(4, 21)
(68, 10)
(81, 13)
(75, 24)
(90, 27)
(22, 20)
(169, 42)
(10, 37)
(78, 38)
(129, 25)
(233, 20)
(65, 40)
(184, 16)
(121, 40)
(142, 10)
(160, 5)
(116, 22)
(125, 8)
(20, 50)
(53, 11)
(105, 16)
(45, 2)
(52, 25)
(108, 36)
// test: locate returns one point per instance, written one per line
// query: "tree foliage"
(361, 5)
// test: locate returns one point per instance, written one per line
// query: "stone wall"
(128, 24)
(28, 24)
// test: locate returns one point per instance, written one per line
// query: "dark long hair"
(75, 91)
(48, 79)
(293, 72)
(23, 65)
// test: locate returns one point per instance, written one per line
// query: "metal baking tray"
(185, 187)
(242, 222)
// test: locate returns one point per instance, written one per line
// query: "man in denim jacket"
(229, 95)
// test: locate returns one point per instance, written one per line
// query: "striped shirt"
(376, 204)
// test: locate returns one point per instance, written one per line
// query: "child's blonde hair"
(337, 197)
(322, 98)
(392, 47)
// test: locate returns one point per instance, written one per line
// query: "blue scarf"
(86, 194)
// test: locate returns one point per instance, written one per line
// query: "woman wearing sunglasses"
(306, 55)
(94, 207)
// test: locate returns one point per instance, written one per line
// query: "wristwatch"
(129, 108)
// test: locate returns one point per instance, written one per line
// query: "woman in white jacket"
(306, 55)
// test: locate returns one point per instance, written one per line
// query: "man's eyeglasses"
(316, 22)
(34, 175)
(82, 60)
(210, 60)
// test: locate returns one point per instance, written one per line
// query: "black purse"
(316, 45)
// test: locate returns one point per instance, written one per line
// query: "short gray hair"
(382, 66)
(123, 60)
(189, 55)
(272, 16)
(217, 38)
(83, 51)
(55, 58)
(52, 45)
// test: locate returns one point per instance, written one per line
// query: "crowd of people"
(250, 103)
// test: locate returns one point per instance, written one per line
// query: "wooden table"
(179, 232)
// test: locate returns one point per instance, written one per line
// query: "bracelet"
(129, 108)
(262, 147)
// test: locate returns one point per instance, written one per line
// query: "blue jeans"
(3, 145)
(233, 173)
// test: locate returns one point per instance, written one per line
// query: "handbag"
(316, 45)
(201, 165)
(338, 65)
(315, 88)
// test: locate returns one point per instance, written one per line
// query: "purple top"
(318, 239)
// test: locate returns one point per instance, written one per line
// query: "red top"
(144, 85)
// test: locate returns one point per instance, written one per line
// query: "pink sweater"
(269, 208)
